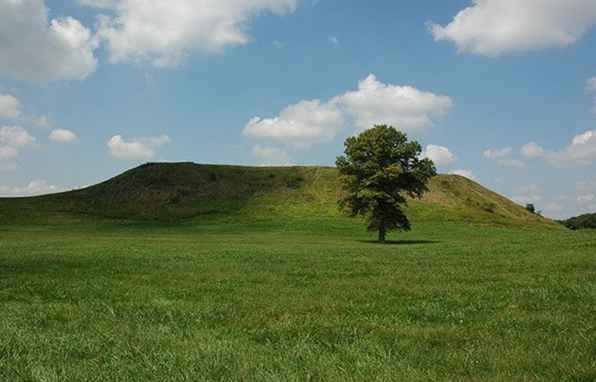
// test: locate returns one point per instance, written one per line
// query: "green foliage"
(531, 208)
(379, 170)
(586, 221)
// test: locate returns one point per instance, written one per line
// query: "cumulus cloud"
(10, 107)
(309, 122)
(580, 152)
(497, 153)
(440, 155)
(63, 136)
(271, 156)
(163, 32)
(302, 124)
(35, 187)
(532, 150)
(401, 106)
(37, 49)
(42, 121)
(105, 4)
(502, 157)
(7, 152)
(136, 149)
(494, 27)
(15, 136)
(465, 173)
(12, 140)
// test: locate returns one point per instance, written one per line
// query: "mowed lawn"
(296, 301)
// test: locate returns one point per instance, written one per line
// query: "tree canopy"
(380, 168)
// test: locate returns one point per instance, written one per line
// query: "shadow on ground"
(400, 242)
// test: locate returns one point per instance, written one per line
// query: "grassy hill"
(261, 279)
(172, 192)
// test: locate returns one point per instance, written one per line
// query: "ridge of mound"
(178, 191)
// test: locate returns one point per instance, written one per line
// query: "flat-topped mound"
(181, 191)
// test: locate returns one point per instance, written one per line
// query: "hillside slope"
(177, 191)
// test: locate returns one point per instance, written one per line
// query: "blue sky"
(90, 88)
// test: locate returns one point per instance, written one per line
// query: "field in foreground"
(295, 301)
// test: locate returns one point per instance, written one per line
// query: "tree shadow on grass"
(400, 242)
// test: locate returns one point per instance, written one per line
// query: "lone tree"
(380, 168)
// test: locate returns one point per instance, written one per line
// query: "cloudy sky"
(502, 91)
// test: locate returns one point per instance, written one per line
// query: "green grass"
(181, 272)
(175, 192)
(295, 299)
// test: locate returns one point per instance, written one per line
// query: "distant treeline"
(587, 221)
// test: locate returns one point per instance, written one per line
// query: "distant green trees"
(379, 169)
(586, 221)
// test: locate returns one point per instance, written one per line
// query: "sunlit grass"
(294, 300)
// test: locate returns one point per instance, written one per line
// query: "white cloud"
(586, 198)
(271, 156)
(493, 27)
(309, 122)
(35, 49)
(12, 139)
(104, 4)
(7, 152)
(439, 154)
(404, 107)
(136, 149)
(301, 125)
(465, 173)
(163, 32)
(581, 151)
(10, 107)
(63, 136)
(501, 156)
(497, 153)
(42, 121)
(532, 150)
(36, 187)
(15, 136)
(333, 40)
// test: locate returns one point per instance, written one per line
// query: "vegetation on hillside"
(177, 192)
(586, 221)
(174, 272)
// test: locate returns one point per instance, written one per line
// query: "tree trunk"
(382, 234)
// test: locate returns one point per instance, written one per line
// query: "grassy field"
(294, 301)
(240, 274)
